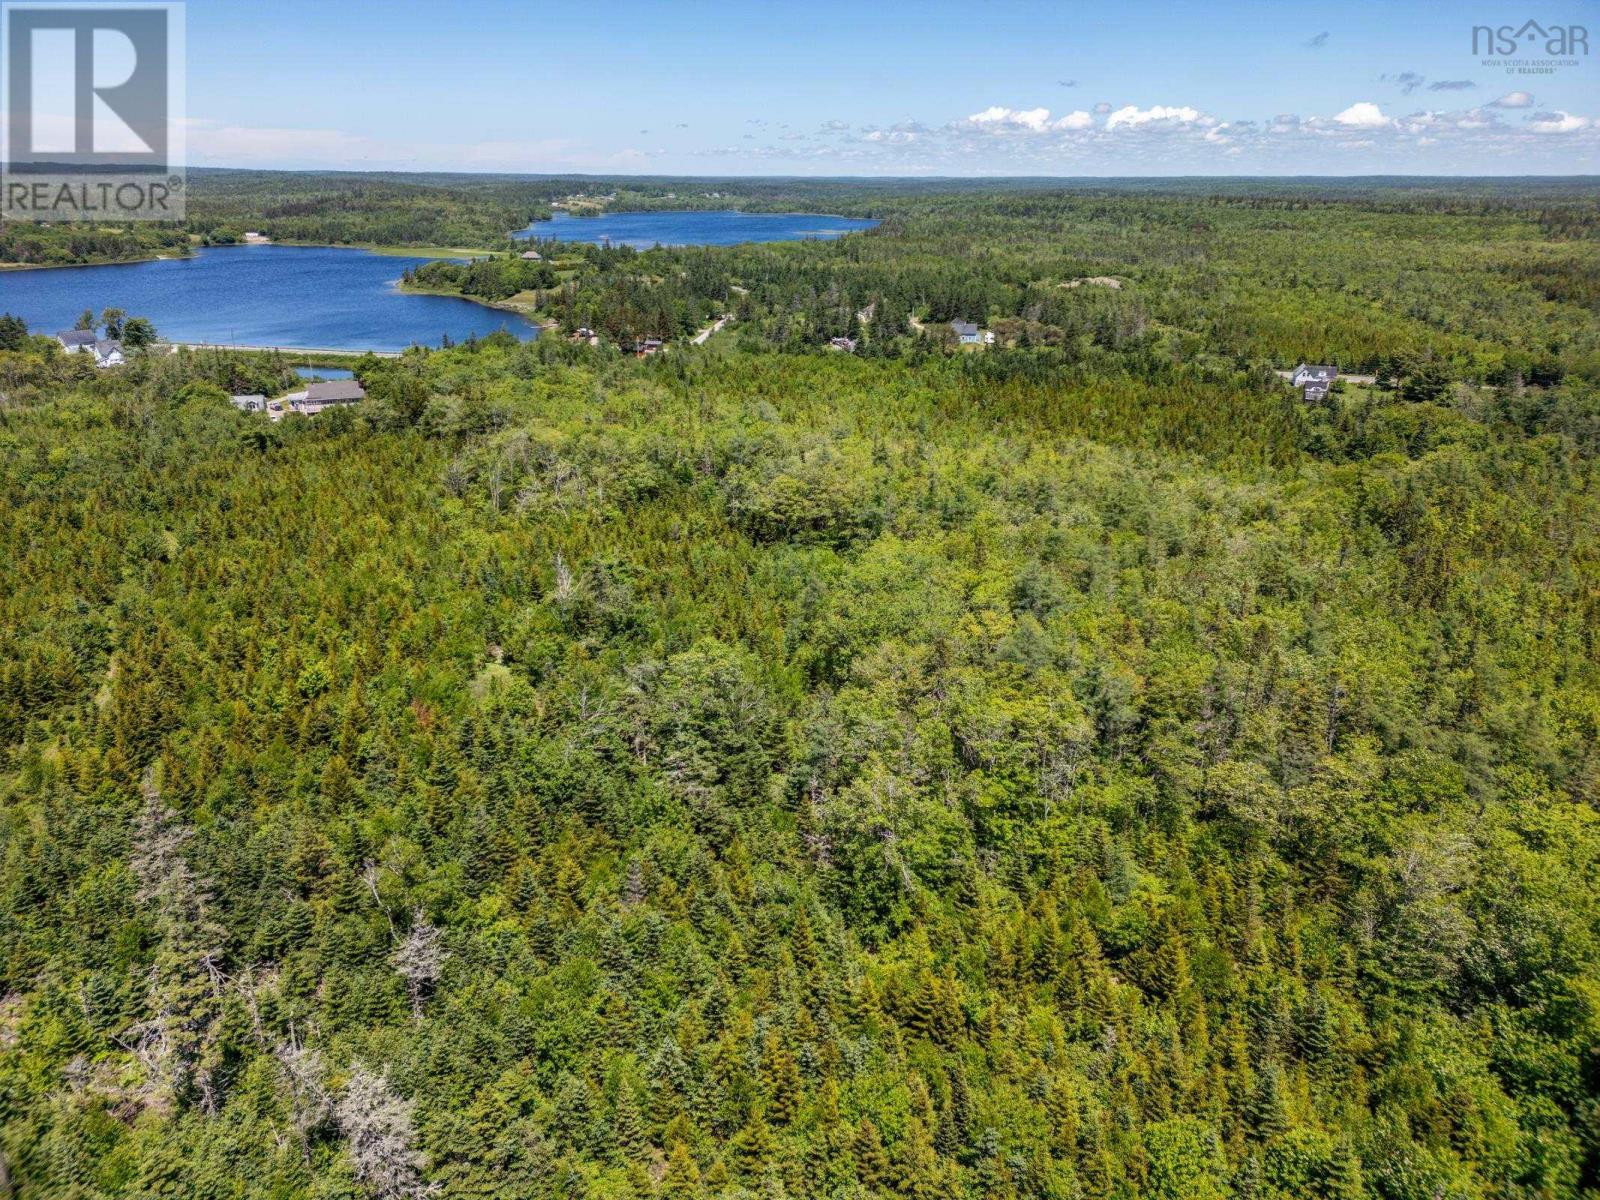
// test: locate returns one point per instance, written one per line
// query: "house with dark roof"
(108, 353)
(73, 340)
(967, 333)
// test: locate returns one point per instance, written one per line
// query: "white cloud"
(1074, 120)
(1363, 115)
(1557, 122)
(1132, 116)
(1036, 119)
(1514, 100)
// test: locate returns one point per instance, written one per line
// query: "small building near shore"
(329, 393)
(532, 256)
(106, 352)
(250, 402)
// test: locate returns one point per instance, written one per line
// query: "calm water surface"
(337, 298)
(331, 298)
(645, 229)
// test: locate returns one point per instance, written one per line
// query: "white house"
(107, 352)
(1313, 381)
(1304, 374)
(250, 402)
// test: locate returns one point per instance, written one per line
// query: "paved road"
(284, 349)
(699, 339)
(1369, 379)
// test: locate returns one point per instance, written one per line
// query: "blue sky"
(1013, 87)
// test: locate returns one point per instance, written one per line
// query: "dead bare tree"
(310, 1101)
(419, 960)
(376, 1122)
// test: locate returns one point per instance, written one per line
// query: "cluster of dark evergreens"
(1071, 769)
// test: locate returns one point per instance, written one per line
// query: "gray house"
(73, 340)
(967, 332)
(329, 394)
(250, 402)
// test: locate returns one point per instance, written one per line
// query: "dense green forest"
(480, 210)
(1072, 769)
(1420, 289)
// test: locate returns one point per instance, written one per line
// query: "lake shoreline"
(319, 297)
(386, 250)
(526, 313)
(105, 262)
(225, 295)
(638, 228)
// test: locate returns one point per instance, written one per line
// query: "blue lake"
(338, 298)
(645, 229)
(332, 298)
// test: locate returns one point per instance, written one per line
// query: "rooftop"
(335, 391)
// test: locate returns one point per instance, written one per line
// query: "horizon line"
(502, 174)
